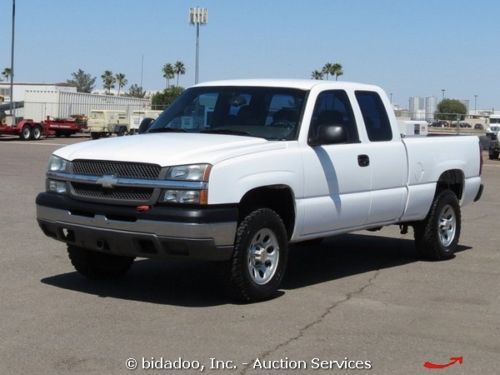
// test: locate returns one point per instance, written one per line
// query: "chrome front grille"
(92, 191)
(116, 168)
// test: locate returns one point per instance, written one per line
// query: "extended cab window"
(333, 108)
(375, 116)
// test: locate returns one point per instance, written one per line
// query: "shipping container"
(38, 104)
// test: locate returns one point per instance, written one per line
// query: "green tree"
(163, 99)
(451, 110)
(7, 72)
(84, 82)
(179, 69)
(121, 81)
(168, 73)
(136, 91)
(108, 80)
(317, 74)
(337, 70)
(327, 70)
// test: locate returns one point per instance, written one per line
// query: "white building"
(21, 87)
(430, 107)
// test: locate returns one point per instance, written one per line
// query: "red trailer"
(63, 127)
(25, 129)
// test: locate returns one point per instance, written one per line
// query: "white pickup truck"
(235, 171)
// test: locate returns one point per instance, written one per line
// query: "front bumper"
(162, 232)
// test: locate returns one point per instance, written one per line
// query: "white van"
(106, 122)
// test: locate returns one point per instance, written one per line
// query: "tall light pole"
(442, 92)
(12, 109)
(197, 17)
(475, 104)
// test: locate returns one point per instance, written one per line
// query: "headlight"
(193, 172)
(57, 164)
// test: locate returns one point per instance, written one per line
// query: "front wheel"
(98, 266)
(94, 135)
(260, 256)
(436, 237)
(493, 155)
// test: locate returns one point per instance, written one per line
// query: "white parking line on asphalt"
(492, 165)
(34, 143)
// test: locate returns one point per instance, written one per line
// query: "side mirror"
(145, 125)
(328, 135)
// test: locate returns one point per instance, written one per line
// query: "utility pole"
(475, 104)
(443, 91)
(12, 107)
(197, 17)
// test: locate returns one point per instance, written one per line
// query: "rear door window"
(375, 116)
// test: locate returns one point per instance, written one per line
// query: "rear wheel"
(95, 135)
(493, 155)
(25, 133)
(260, 256)
(98, 266)
(36, 133)
(437, 236)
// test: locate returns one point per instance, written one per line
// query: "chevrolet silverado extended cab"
(235, 171)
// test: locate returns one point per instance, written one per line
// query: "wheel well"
(451, 180)
(279, 198)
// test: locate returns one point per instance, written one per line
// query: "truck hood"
(169, 148)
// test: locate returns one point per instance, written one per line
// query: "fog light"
(58, 187)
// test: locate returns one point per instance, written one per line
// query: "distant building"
(430, 107)
(21, 87)
(421, 108)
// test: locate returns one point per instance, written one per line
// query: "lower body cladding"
(163, 232)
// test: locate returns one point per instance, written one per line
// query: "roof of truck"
(303, 84)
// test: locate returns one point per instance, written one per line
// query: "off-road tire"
(98, 266)
(241, 285)
(428, 242)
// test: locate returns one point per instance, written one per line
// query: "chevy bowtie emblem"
(107, 181)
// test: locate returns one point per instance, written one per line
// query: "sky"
(409, 48)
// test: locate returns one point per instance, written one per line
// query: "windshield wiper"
(166, 130)
(227, 131)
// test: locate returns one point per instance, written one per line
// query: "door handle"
(363, 160)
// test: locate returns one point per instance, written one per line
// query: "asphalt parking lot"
(358, 297)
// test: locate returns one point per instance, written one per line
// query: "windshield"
(267, 112)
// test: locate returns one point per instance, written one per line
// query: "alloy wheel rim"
(447, 225)
(263, 256)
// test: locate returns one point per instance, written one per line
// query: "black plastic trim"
(198, 215)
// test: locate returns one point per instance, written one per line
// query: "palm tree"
(337, 71)
(108, 80)
(327, 69)
(179, 69)
(121, 81)
(316, 74)
(168, 73)
(7, 73)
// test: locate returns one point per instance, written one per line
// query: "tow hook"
(403, 228)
